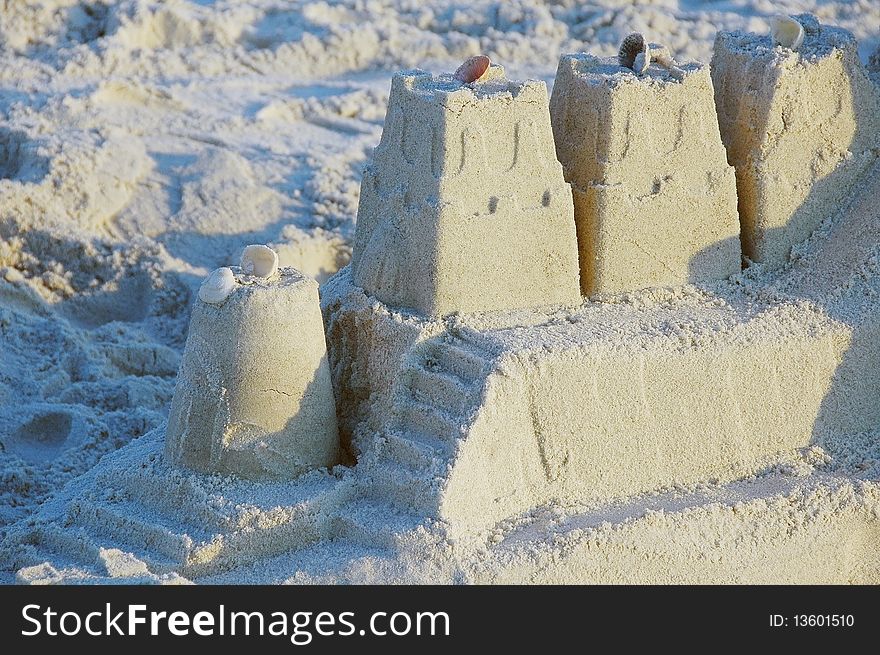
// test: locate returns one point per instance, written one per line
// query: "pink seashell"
(472, 69)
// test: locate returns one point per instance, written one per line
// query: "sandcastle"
(655, 201)
(253, 396)
(472, 394)
(800, 125)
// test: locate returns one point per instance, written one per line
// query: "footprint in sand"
(42, 438)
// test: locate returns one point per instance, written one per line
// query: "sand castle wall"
(464, 207)
(594, 426)
(499, 419)
(801, 127)
(655, 200)
(254, 395)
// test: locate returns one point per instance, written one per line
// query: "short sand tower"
(654, 197)
(253, 395)
(464, 207)
(800, 125)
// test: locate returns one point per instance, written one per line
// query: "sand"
(253, 396)
(143, 145)
(655, 199)
(801, 127)
(464, 172)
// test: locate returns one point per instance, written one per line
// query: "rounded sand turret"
(253, 395)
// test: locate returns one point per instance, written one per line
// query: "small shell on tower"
(660, 55)
(631, 46)
(472, 69)
(809, 22)
(786, 31)
(259, 260)
(217, 286)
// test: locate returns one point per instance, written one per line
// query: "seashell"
(631, 46)
(259, 260)
(809, 22)
(641, 63)
(472, 69)
(661, 56)
(786, 31)
(217, 286)
(494, 72)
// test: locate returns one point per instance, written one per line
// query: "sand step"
(442, 389)
(402, 486)
(814, 529)
(467, 362)
(414, 416)
(165, 496)
(164, 492)
(370, 523)
(414, 449)
(133, 524)
(57, 544)
(82, 547)
(195, 551)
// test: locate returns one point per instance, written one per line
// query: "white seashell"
(494, 72)
(661, 56)
(259, 260)
(217, 286)
(641, 63)
(786, 31)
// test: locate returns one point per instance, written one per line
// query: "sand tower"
(464, 207)
(654, 197)
(801, 125)
(253, 394)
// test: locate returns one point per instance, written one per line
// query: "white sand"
(801, 127)
(143, 145)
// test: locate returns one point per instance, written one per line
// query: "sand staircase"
(439, 390)
(138, 510)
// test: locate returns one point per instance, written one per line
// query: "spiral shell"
(259, 260)
(217, 286)
(631, 46)
(786, 31)
(472, 69)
